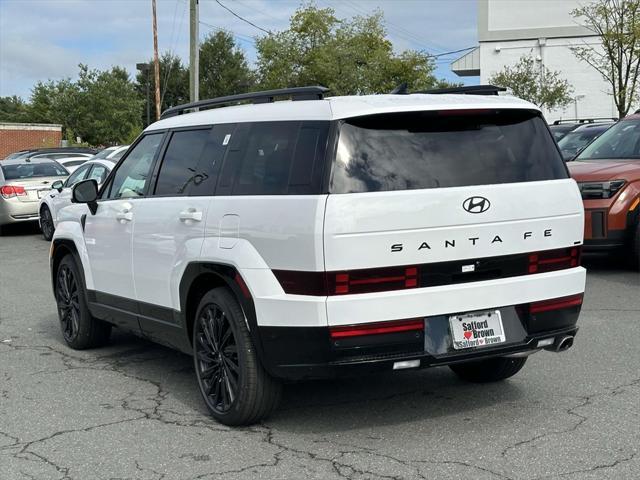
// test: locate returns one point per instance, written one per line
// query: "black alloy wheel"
(217, 358)
(67, 295)
(236, 388)
(46, 223)
(79, 329)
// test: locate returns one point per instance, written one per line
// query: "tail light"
(8, 191)
(378, 328)
(551, 260)
(348, 282)
(556, 304)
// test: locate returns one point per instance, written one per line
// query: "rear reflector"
(556, 304)
(8, 191)
(551, 260)
(378, 328)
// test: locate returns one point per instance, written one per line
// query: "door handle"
(190, 214)
(124, 215)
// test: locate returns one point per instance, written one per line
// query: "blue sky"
(46, 39)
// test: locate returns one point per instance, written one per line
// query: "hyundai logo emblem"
(476, 204)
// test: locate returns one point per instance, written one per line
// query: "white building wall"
(508, 29)
(590, 91)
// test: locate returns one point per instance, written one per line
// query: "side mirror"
(86, 191)
(58, 185)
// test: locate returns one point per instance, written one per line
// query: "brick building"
(23, 136)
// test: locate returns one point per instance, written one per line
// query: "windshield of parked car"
(575, 141)
(104, 153)
(15, 155)
(25, 170)
(407, 151)
(620, 142)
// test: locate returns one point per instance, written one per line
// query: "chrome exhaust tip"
(563, 343)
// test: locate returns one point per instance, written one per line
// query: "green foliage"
(534, 83)
(617, 23)
(348, 56)
(14, 109)
(174, 85)
(101, 107)
(223, 67)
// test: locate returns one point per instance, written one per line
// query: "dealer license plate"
(476, 329)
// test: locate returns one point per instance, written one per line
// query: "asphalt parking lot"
(132, 410)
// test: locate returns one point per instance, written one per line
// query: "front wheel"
(234, 385)
(46, 223)
(79, 329)
(635, 247)
(489, 370)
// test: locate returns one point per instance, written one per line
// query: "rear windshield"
(408, 151)
(33, 170)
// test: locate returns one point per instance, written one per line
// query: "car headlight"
(593, 190)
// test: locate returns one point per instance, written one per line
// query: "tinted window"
(441, 149)
(75, 177)
(74, 163)
(131, 178)
(622, 141)
(267, 158)
(210, 161)
(33, 170)
(99, 173)
(179, 166)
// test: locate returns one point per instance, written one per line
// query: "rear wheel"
(234, 385)
(79, 329)
(489, 370)
(46, 223)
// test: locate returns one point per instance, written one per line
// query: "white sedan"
(60, 194)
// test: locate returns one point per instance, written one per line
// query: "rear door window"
(407, 151)
(178, 170)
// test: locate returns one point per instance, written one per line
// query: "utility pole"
(194, 54)
(156, 61)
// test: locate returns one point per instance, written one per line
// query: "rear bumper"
(309, 353)
(13, 211)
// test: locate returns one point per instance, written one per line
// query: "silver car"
(22, 184)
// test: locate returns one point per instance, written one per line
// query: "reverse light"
(556, 304)
(377, 328)
(545, 342)
(551, 260)
(8, 191)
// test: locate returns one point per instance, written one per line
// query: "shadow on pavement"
(20, 229)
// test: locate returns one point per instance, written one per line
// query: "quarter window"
(132, 177)
(179, 167)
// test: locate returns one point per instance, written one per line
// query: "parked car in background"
(560, 128)
(52, 153)
(72, 163)
(59, 196)
(573, 142)
(608, 174)
(22, 183)
(114, 153)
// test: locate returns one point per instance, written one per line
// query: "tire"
(79, 329)
(635, 247)
(46, 223)
(234, 386)
(490, 370)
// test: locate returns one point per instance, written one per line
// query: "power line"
(239, 36)
(452, 52)
(241, 17)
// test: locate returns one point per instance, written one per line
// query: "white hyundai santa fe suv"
(318, 237)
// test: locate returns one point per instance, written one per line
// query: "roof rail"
(467, 90)
(267, 96)
(583, 120)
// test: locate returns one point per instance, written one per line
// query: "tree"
(348, 56)
(617, 23)
(14, 109)
(101, 107)
(174, 85)
(534, 83)
(223, 67)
